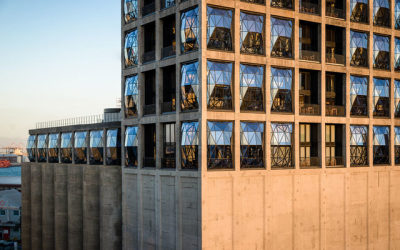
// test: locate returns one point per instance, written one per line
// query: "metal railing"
(149, 162)
(310, 109)
(310, 8)
(335, 58)
(334, 110)
(309, 162)
(149, 56)
(168, 163)
(334, 161)
(83, 120)
(310, 55)
(149, 109)
(334, 12)
(168, 107)
(168, 51)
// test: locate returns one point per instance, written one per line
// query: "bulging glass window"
(281, 145)
(381, 13)
(359, 11)
(359, 49)
(131, 49)
(397, 53)
(251, 33)
(189, 145)
(66, 148)
(190, 86)
(397, 98)
(281, 90)
(130, 10)
(219, 85)
(381, 52)
(131, 96)
(358, 95)
(42, 148)
(219, 28)
(31, 148)
(397, 14)
(80, 147)
(281, 37)
(397, 145)
(131, 146)
(113, 156)
(381, 97)
(251, 88)
(53, 148)
(381, 145)
(220, 144)
(190, 30)
(251, 145)
(358, 146)
(96, 147)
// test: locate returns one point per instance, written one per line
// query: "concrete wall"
(63, 205)
(307, 209)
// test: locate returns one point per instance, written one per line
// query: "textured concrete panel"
(130, 212)
(110, 207)
(148, 212)
(61, 206)
(48, 206)
(189, 197)
(91, 208)
(335, 211)
(394, 210)
(249, 213)
(168, 213)
(75, 208)
(36, 206)
(26, 206)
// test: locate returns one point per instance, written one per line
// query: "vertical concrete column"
(91, 207)
(61, 206)
(48, 206)
(110, 207)
(75, 207)
(26, 205)
(141, 89)
(36, 206)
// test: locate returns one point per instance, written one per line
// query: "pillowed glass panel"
(358, 96)
(190, 30)
(251, 33)
(42, 148)
(281, 37)
(358, 146)
(53, 148)
(219, 28)
(281, 145)
(397, 98)
(66, 148)
(281, 90)
(219, 85)
(131, 49)
(397, 53)
(131, 145)
(397, 145)
(220, 144)
(381, 97)
(359, 11)
(381, 13)
(80, 148)
(113, 147)
(251, 145)
(190, 86)
(397, 14)
(131, 96)
(359, 49)
(189, 145)
(251, 88)
(130, 10)
(381, 145)
(381, 52)
(31, 148)
(96, 147)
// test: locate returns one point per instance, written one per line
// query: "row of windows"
(358, 9)
(220, 145)
(252, 91)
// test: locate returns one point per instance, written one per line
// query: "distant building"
(10, 215)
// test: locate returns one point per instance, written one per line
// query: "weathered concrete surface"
(48, 206)
(36, 206)
(110, 207)
(91, 208)
(61, 206)
(26, 206)
(75, 208)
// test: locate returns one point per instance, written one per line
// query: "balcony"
(309, 41)
(310, 7)
(310, 109)
(335, 12)
(333, 110)
(310, 55)
(167, 107)
(168, 51)
(332, 57)
(168, 163)
(309, 93)
(149, 109)
(397, 154)
(149, 162)
(149, 56)
(148, 9)
(286, 4)
(337, 161)
(308, 162)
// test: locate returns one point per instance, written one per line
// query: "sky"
(58, 59)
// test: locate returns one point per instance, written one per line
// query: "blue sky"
(58, 59)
